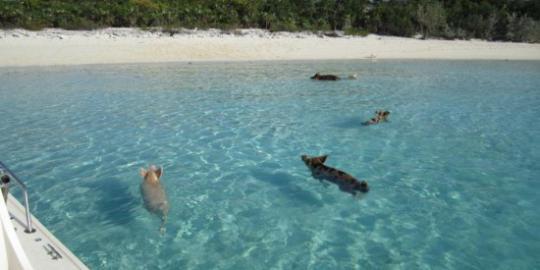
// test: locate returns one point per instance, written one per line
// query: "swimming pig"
(380, 116)
(345, 181)
(155, 199)
(327, 77)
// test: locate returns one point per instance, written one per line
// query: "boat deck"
(43, 250)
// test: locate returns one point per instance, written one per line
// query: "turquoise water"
(454, 175)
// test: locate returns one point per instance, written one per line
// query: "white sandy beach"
(124, 45)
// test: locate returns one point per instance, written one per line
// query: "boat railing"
(7, 171)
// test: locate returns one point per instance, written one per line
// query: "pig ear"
(143, 172)
(323, 158)
(159, 172)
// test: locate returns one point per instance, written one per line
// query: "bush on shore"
(510, 20)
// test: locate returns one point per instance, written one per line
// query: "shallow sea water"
(454, 175)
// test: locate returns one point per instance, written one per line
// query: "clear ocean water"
(454, 175)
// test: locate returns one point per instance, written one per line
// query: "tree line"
(511, 20)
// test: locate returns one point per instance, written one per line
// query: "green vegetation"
(514, 20)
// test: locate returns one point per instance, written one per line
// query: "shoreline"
(57, 47)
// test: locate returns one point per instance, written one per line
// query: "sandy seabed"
(130, 45)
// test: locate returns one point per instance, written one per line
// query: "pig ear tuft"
(159, 172)
(143, 172)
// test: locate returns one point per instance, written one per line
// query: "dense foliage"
(514, 20)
